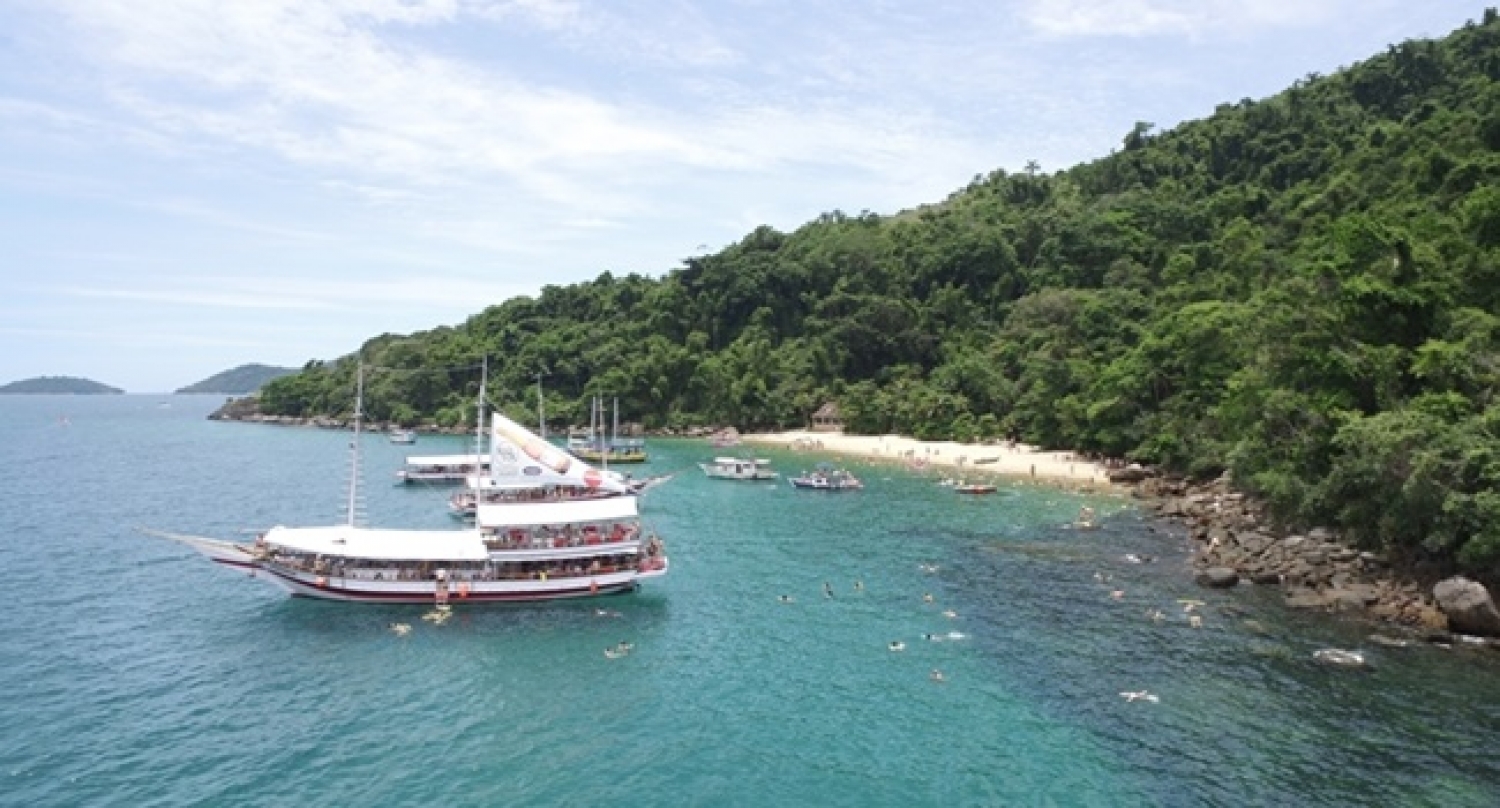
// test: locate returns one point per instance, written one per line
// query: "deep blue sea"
(134, 673)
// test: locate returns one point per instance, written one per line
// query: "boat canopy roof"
(382, 543)
(444, 460)
(531, 514)
(730, 461)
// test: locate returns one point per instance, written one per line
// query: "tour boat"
(736, 468)
(442, 469)
(524, 550)
(827, 478)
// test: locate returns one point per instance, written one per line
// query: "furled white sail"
(519, 457)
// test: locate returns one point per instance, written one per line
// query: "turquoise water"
(135, 673)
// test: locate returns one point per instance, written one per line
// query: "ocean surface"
(135, 673)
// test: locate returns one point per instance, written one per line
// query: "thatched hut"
(827, 419)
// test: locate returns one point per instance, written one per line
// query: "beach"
(1010, 460)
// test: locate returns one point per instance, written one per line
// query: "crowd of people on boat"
(547, 493)
(563, 536)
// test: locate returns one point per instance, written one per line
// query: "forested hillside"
(69, 385)
(238, 381)
(1300, 290)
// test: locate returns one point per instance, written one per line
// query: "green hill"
(1300, 290)
(58, 384)
(239, 381)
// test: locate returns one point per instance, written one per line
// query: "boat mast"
(484, 375)
(359, 414)
(541, 416)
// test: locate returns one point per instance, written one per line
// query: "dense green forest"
(70, 385)
(1299, 290)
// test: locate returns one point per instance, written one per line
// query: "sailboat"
(599, 448)
(533, 549)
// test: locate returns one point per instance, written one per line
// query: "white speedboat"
(827, 478)
(403, 436)
(736, 468)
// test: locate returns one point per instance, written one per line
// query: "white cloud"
(1191, 18)
(306, 294)
(317, 85)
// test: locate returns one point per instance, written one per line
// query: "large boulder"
(1218, 577)
(1468, 606)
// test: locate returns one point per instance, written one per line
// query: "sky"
(191, 185)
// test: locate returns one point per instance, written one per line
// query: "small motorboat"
(403, 436)
(827, 478)
(975, 488)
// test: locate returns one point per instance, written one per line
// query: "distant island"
(58, 384)
(239, 381)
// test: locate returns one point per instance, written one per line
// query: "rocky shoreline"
(1235, 544)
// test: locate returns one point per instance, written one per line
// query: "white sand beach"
(963, 459)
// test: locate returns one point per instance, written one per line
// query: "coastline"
(1008, 460)
(1232, 540)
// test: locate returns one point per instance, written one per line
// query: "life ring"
(321, 581)
(463, 589)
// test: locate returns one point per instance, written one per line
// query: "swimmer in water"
(936, 675)
(897, 645)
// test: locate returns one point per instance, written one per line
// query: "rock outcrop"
(1235, 542)
(1468, 606)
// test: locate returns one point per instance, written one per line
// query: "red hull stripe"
(453, 597)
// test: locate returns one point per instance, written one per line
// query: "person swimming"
(897, 645)
(936, 675)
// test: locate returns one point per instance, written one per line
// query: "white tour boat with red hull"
(525, 549)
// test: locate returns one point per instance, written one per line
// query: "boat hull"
(307, 584)
(612, 458)
(357, 590)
